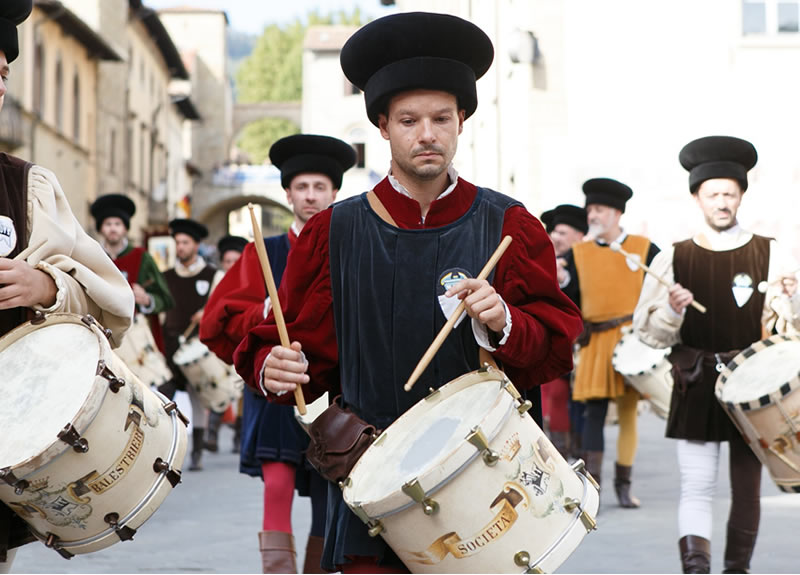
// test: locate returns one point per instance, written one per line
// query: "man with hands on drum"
(370, 283)
(47, 262)
(606, 286)
(190, 282)
(727, 269)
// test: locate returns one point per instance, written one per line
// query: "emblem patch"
(8, 236)
(202, 287)
(632, 260)
(742, 288)
(449, 304)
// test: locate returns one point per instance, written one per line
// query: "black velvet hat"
(12, 14)
(573, 216)
(307, 153)
(228, 243)
(189, 227)
(718, 157)
(416, 50)
(607, 192)
(112, 206)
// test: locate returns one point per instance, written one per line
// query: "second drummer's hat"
(192, 228)
(12, 14)
(416, 50)
(573, 216)
(309, 153)
(718, 157)
(230, 243)
(112, 206)
(607, 192)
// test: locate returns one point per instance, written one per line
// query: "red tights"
(555, 402)
(278, 495)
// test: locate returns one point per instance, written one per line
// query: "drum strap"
(377, 206)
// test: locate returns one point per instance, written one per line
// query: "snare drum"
(758, 389)
(646, 369)
(216, 383)
(139, 352)
(466, 482)
(88, 453)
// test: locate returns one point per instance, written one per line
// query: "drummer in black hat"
(606, 285)
(364, 296)
(738, 276)
(229, 250)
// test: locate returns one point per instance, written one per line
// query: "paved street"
(209, 524)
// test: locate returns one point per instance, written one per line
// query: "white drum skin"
(759, 391)
(514, 506)
(79, 502)
(216, 383)
(139, 352)
(647, 370)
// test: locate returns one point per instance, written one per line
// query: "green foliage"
(274, 72)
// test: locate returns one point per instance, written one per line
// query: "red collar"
(407, 213)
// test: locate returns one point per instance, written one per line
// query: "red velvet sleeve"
(305, 296)
(235, 305)
(544, 322)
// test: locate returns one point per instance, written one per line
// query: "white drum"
(313, 410)
(139, 352)
(87, 453)
(646, 369)
(216, 383)
(758, 389)
(466, 482)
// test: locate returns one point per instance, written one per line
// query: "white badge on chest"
(8, 236)
(202, 287)
(742, 288)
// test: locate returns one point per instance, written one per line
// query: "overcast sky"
(252, 15)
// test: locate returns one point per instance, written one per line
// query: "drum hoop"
(642, 372)
(765, 400)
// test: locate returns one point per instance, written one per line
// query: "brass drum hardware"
(38, 318)
(70, 436)
(588, 521)
(114, 382)
(361, 514)
(415, 491)
(90, 321)
(172, 406)
(19, 485)
(52, 542)
(522, 558)
(381, 439)
(172, 475)
(580, 467)
(431, 393)
(346, 482)
(375, 528)
(524, 406)
(477, 438)
(511, 388)
(124, 533)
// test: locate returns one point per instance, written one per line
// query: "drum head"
(421, 439)
(761, 370)
(47, 376)
(632, 356)
(191, 350)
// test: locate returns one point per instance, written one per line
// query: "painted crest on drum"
(8, 236)
(448, 279)
(202, 287)
(742, 288)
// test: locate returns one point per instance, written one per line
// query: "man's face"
(309, 194)
(601, 218)
(719, 200)
(185, 247)
(422, 127)
(4, 71)
(228, 259)
(113, 230)
(563, 236)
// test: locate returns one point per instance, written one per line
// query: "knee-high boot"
(739, 546)
(695, 554)
(277, 552)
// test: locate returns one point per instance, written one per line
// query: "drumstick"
(190, 329)
(618, 248)
(448, 327)
(266, 269)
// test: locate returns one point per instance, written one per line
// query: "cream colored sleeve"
(654, 321)
(781, 312)
(218, 275)
(86, 278)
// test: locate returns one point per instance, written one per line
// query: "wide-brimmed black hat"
(231, 243)
(189, 227)
(573, 216)
(607, 192)
(417, 50)
(718, 157)
(12, 14)
(112, 206)
(309, 153)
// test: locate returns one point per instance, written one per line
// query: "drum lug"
(588, 521)
(431, 393)
(90, 321)
(580, 467)
(415, 491)
(38, 318)
(346, 482)
(477, 438)
(524, 406)
(375, 528)
(19, 485)
(114, 382)
(71, 437)
(124, 533)
(511, 389)
(172, 406)
(523, 559)
(52, 543)
(172, 475)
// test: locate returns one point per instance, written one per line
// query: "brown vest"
(14, 205)
(188, 299)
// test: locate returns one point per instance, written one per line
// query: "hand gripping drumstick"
(266, 269)
(618, 248)
(448, 327)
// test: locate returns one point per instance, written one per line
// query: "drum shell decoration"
(216, 383)
(646, 369)
(769, 422)
(139, 352)
(503, 503)
(135, 441)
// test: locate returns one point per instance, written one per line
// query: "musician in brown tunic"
(721, 267)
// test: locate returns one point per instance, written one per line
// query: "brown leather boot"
(575, 441)
(622, 486)
(739, 546)
(594, 463)
(198, 442)
(313, 560)
(277, 552)
(695, 554)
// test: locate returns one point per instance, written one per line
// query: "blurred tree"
(274, 72)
